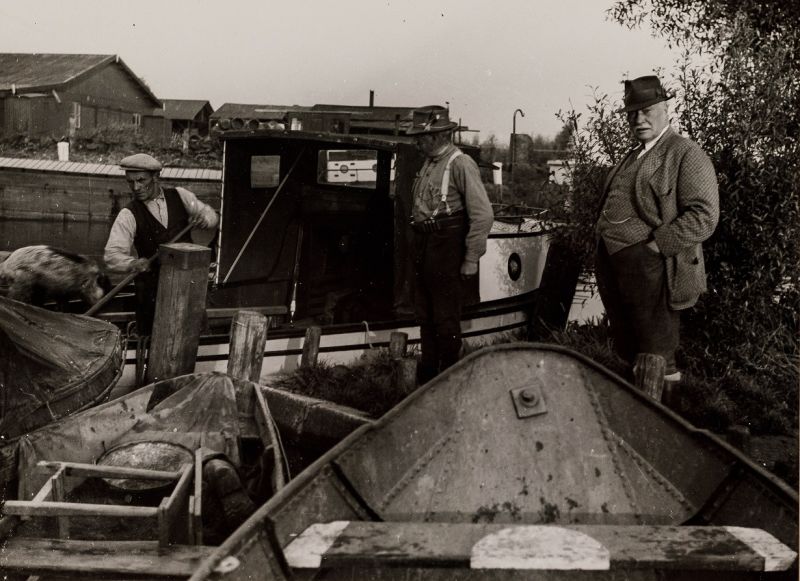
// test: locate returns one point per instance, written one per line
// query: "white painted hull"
(497, 285)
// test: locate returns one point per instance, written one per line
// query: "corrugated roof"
(28, 72)
(183, 109)
(185, 173)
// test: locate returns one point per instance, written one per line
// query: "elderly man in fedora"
(659, 204)
(155, 215)
(451, 218)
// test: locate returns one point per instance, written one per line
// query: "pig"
(36, 274)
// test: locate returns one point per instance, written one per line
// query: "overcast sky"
(485, 58)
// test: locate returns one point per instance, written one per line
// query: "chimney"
(371, 98)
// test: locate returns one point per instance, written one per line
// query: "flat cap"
(140, 162)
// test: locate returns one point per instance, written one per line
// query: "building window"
(137, 119)
(76, 114)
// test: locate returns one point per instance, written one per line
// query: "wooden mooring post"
(248, 339)
(311, 347)
(406, 374)
(648, 370)
(180, 310)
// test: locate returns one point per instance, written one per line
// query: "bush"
(738, 96)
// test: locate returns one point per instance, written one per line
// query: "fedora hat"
(643, 92)
(430, 120)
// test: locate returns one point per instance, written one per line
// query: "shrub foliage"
(737, 91)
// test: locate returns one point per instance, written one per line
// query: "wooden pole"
(311, 347)
(648, 370)
(180, 305)
(124, 282)
(397, 344)
(248, 339)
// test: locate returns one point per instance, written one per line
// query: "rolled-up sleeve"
(467, 178)
(194, 207)
(119, 252)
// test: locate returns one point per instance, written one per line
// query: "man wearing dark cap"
(660, 203)
(154, 217)
(451, 219)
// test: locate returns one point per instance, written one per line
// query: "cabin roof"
(251, 111)
(351, 139)
(39, 72)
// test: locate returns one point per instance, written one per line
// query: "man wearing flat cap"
(155, 216)
(659, 204)
(451, 218)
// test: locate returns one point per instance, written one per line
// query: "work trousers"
(633, 287)
(146, 290)
(438, 296)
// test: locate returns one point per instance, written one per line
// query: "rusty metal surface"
(463, 453)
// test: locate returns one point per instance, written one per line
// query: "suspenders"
(446, 185)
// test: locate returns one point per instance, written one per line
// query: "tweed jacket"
(678, 197)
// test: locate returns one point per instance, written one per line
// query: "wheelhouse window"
(265, 171)
(349, 167)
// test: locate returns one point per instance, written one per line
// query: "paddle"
(112, 293)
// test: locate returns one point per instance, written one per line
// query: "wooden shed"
(60, 95)
(187, 114)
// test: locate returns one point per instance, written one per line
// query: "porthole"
(514, 266)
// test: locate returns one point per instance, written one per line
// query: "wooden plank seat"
(120, 559)
(544, 547)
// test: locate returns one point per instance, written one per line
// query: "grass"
(368, 384)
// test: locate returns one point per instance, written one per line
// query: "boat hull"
(522, 435)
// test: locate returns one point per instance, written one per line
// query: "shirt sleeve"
(194, 207)
(467, 178)
(119, 252)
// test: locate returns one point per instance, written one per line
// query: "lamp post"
(513, 147)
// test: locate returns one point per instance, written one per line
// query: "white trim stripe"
(777, 556)
(306, 551)
(540, 547)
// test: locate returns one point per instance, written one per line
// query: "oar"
(112, 293)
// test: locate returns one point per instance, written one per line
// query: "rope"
(366, 335)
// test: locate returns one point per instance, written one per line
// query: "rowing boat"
(142, 486)
(523, 461)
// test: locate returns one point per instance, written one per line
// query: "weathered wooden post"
(311, 347)
(648, 370)
(180, 310)
(406, 373)
(248, 339)
(397, 344)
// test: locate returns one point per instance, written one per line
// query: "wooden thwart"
(177, 518)
(572, 547)
(117, 558)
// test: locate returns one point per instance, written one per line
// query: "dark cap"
(643, 92)
(140, 162)
(430, 119)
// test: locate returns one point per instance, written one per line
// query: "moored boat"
(522, 461)
(139, 487)
(315, 227)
